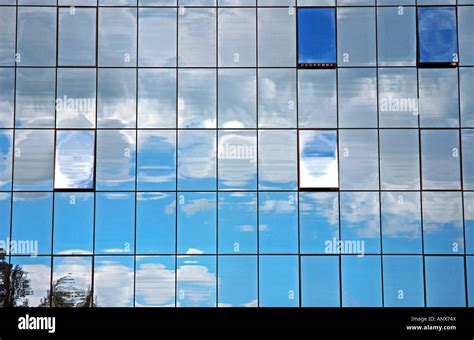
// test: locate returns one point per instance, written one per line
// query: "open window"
(317, 38)
(75, 160)
(437, 37)
(318, 160)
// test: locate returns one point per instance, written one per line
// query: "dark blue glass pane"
(437, 35)
(316, 35)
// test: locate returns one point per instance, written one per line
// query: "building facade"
(238, 153)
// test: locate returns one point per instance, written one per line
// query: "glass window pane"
(117, 2)
(197, 160)
(156, 223)
(277, 160)
(466, 34)
(398, 97)
(36, 36)
(36, 277)
(7, 88)
(442, 223)
(278, 223)
(399, 160)
(7, 35)
(77, 2)
(237, 223)
(157, 37)
(318, 160)
(466, 84)
(117, 36)
(117, 98)
(237, 100)
(356, 36)
(316, 35)
(6, 156)
(73, 223)
(76, 98)
(156, 98)
(319, 221)
(358, 160)
(276, 98)
(77, 34)
(440, 159)
(155, 281)
(396, 37)
(320, 281)
(469, 221)
(197, 37)
(437, 35)
(197, 225)
(115, 160)
(197, 98)
(5, 217)
(360, 223)
(237, 37)
(114, 223)
(439, 291)
(32, 222)
(156, 160)
(197, 281)
(361, 281)
(34, 149)
(157, 2)
(468, 159)
(276, 37)
(238, 282)
(317, 87)
(72, 282)
(439, 98)
(75, 160)
(279, 281)
(113, 281)
(403, 281)
(470, 280)
(401, 222)
(237, 152)
(357, 98)
(35, 97)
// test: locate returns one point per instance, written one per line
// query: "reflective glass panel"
(155, 281)
(6, 156)
(197, 226)
(75, 160)
(442, 223)
(361, 281)
(73, 223)
(440, 159)
(401, 222)
(468, 159)
(439, 291)
(403, 281)
(437, 35)
(279, 281)
(237, 154)
(319, 221)
(72, 282)
(156, 160)
(318, 160)
(320, 281)
(7, 88)
(278, 223)
(156, 223)
(237, 281)
(113, 281)
(237, 223)
(197, 281)
(7, 35)
(114, 223)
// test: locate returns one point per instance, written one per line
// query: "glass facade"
(237, 153)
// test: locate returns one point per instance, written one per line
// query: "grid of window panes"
(186, 117)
